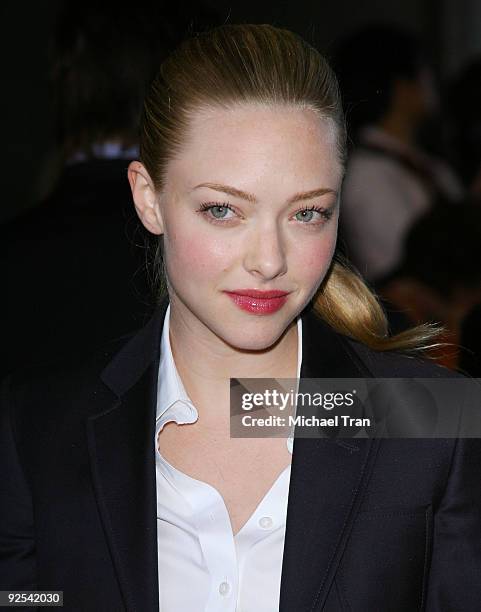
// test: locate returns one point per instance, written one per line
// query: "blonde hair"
(235, 64)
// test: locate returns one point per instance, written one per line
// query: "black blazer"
(372, 525)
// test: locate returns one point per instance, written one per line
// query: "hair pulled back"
(262, 64)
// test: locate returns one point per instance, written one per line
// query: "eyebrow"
(237, 193)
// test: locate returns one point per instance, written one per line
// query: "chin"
(255, 337)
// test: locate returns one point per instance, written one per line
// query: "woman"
(110, 499)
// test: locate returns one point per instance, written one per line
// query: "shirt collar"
(173, 403)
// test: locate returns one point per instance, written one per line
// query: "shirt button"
(224, 588)
(265, 522)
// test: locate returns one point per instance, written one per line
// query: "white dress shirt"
(202, 565)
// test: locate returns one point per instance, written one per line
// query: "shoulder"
(76, 388)
(396, 364)
(327, 352)
(57, 389)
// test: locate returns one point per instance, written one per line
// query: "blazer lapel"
(327, 476)
(122, 454)
(327, 481)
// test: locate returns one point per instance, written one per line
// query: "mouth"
(258, 302)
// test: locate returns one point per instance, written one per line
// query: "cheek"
(313, 258)
(196, 254)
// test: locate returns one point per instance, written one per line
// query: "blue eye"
(219, 212)
(311, 216)
(306, 215)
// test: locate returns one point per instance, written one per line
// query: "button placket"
(224, 588)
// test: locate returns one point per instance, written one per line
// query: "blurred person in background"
(439, 278)
(388, 93)
(76, 262)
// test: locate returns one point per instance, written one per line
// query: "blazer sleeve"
(17, 541)
(454, 583)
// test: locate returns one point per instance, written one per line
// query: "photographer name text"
(344, 420)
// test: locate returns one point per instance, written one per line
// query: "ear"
(145, 198)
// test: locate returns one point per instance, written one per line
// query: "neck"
(205, 362)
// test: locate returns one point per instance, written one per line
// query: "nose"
(265, 255)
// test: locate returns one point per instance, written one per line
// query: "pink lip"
(258, 302)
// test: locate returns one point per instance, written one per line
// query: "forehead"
(255, 143)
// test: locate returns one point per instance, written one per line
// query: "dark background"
(451, 30)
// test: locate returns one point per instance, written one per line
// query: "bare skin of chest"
(242, 470)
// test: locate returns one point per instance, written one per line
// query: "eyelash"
(326, 213)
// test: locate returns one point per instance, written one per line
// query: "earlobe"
(145, 198)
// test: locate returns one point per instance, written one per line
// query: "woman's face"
(250, 204)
